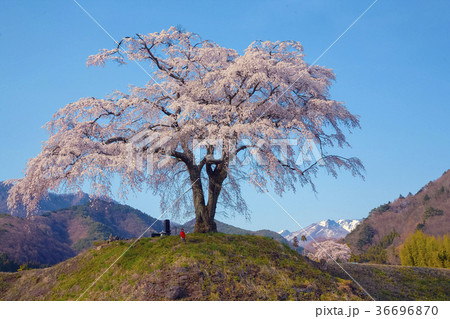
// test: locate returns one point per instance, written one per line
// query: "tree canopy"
(250, 112)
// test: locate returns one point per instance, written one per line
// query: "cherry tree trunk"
(204, 221)
(204, 218)
(205, 212)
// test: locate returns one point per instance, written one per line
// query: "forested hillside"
(379, 236)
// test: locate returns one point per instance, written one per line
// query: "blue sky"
(392, 69)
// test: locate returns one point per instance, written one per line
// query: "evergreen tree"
(295, 242)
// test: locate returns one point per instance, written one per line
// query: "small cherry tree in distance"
(232, 105)
(331, 251)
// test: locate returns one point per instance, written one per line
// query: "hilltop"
(232, 230)
(54, 236)
(388, 225)
(207, 267)
(51, 237)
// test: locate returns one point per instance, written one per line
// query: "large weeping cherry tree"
(233, 105)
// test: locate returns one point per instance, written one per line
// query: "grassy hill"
(391, 282)
(207, 267)
(388, 225)
(52, 237)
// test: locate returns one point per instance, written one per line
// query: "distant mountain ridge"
(325, 229)
(49, 203)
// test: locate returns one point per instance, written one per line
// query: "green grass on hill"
(207, 267)
(388, 282)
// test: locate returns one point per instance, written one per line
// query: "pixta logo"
(148, 150)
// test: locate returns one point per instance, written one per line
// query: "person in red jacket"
(183, 235)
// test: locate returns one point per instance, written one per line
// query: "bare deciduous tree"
(295, 242)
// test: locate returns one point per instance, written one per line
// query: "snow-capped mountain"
(322, 230)
(284, 233)
(349, 224)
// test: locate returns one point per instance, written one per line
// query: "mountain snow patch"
(325, 229)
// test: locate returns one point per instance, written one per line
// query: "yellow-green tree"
(426, 251)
